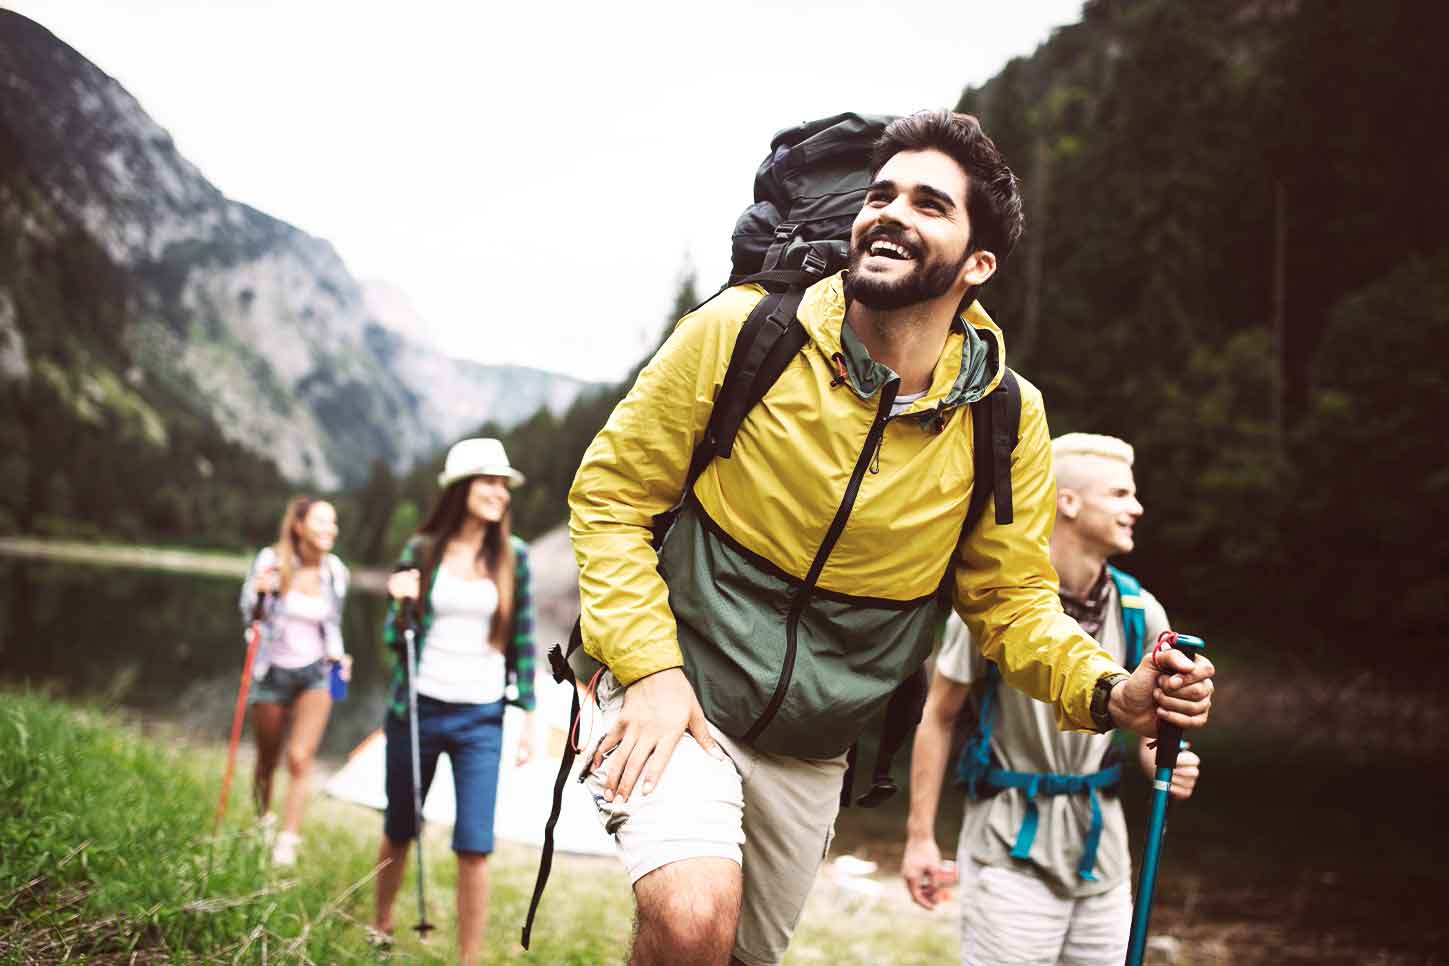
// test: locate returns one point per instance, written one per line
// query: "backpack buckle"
(785, 231)
(558, 665)
(814, 264)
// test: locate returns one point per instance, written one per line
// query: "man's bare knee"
(688, 912)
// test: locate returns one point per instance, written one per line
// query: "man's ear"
(980, 266)
(1069, 504)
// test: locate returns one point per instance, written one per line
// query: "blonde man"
(1042, 856)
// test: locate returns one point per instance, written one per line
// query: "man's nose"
(897, 211)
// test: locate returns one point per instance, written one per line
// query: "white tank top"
(458, 664)
(301, 641)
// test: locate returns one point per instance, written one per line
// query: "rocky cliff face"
(123, 268)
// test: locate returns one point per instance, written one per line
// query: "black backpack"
(797, 232)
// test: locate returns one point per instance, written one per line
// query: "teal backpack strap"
(1134, 614)
(975, 761)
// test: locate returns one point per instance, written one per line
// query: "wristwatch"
(1101, 697)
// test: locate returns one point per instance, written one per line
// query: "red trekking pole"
(254, 638)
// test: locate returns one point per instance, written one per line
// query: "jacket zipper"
(837, 527)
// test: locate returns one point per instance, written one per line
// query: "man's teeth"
(889, 249)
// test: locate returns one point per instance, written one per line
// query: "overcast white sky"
(534, 176)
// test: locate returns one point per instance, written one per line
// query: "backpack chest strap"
(1037, 784)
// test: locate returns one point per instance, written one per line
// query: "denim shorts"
(472, 736)
(281, 685)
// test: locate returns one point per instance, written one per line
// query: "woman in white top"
(304, 585)
(474, 652)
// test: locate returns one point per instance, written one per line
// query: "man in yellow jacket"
(798, 586)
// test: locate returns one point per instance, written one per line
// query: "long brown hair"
(443, 521)
(289, 554)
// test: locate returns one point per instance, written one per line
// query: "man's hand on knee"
(658, 710)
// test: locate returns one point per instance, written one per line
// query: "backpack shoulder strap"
(996, 422)
(768, 340)
(1134, 614)
(975, 760)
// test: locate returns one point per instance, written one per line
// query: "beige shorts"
(772, 814)
(1011, 917)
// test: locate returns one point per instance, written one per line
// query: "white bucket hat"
(478, 457)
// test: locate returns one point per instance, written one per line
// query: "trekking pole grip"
(406, 605)
(1169, 736)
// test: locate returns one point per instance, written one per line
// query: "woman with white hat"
(474, 650)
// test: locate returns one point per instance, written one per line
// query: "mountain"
(139, 296)
(407, 343)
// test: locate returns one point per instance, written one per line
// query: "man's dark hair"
(993, 201)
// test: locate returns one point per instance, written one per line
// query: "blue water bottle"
(339, 683)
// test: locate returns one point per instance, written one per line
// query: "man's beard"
(926, 280)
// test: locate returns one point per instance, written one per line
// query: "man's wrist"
(1101, 706)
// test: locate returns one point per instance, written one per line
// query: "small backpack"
(808, 192)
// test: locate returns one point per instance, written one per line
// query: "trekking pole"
(1169, 743)
(253, 637)
(409, 641)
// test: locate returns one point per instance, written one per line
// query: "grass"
(106, 857)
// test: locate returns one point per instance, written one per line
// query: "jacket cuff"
(1075, 713)
(644, 660)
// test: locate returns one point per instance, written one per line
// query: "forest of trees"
(1236, 255)
(89, 446)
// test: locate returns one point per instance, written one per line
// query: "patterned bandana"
(1090, 611)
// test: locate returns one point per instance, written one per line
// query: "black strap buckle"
(558, 665)
(881, 789)
(814, 264)
(785, 231)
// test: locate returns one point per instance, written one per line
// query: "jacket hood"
(971, 363)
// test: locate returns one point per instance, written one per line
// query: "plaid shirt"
(519, 655)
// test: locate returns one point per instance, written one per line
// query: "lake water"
(162, 644)
(1291, 852)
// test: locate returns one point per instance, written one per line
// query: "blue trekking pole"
(1169, 743)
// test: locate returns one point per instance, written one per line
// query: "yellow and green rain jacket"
(799, 585)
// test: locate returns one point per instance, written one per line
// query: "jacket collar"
(971, 363)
